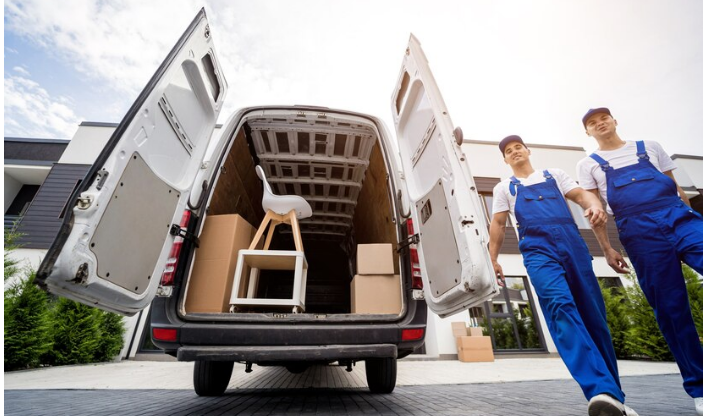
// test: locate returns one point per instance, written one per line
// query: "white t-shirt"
(591, 176)
(503, 201)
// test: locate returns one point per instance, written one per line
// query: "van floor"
(328, 277)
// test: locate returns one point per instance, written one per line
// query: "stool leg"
(270, 232)
(296, 233)
(261, 230)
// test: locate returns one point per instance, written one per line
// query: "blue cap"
(509, 139)
(593, 111)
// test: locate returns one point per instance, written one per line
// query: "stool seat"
(282, 204)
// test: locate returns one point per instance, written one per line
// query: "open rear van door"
(446, 211)
(118, 230)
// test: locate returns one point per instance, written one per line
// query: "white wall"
(486, 160)
(689, 172)
(86, 145)
(12, 187)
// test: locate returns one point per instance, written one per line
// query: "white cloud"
(31, 112)
(117, 42)
(21, 70)
(504, 67)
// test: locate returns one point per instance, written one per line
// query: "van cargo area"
(335, 162)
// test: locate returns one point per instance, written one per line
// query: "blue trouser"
(657, 242)
(559, 265)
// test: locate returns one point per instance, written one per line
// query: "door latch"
(414, 239)
(102, 176)
(177, 231)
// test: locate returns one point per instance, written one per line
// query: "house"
(40, 176)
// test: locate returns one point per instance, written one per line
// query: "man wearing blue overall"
(656, 227)
(559, 266)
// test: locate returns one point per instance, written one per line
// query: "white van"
(137, 227)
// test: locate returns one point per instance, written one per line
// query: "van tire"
(211, 378)
(381, 374)
(297, 368)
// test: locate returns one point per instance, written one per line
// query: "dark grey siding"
(17, 149)
(41, 222)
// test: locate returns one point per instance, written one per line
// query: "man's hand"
(596, 216)
(499, 275)
(616, 261)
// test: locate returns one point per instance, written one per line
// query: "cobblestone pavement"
(659, 395)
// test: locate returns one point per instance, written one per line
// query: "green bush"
(11, 269)
(40, 331)
(27, 325)
(76, 331)
(504, 333)
(111, 341)
(632, 322)
(618, 318)
(695, 289)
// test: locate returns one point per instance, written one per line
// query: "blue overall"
(559, 266)
(658, 232)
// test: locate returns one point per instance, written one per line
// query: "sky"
(531, 68)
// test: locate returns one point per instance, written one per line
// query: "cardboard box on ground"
(471, 344)
(376, 289)
(211, 279)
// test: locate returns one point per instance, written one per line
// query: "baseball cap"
(509, 139)
(593, 111)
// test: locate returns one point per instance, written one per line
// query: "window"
(487, 200)
(577, 213)
(214, 85)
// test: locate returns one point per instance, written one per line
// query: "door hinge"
(177, 231)
(84, 202)
(81, 274)
(414, 239)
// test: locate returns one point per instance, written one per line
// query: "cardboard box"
(473, 349)
(211, 279)
(475, 331)
(375, 259)
(458, 329)
(376, 294)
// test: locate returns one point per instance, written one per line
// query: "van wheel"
(381, 374)
(211, 377)
(296, 368)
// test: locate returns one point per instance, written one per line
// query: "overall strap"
(604, 164)
(514, 183)
(547, 175)
(641, 152)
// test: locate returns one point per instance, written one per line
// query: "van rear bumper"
(286, 353)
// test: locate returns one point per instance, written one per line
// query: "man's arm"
(593, 209)
(615, 260)
(497, 237)
(682, 194)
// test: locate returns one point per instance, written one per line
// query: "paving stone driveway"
(659, 395)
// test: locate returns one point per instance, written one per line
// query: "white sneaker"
(699, 404)
(630, 412)
(605, 405)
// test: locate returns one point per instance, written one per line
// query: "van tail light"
(412, 334)
(414, 259)
(173, 259)
(162, 334)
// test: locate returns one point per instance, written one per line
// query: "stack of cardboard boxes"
(376, 288)
(471, 344)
